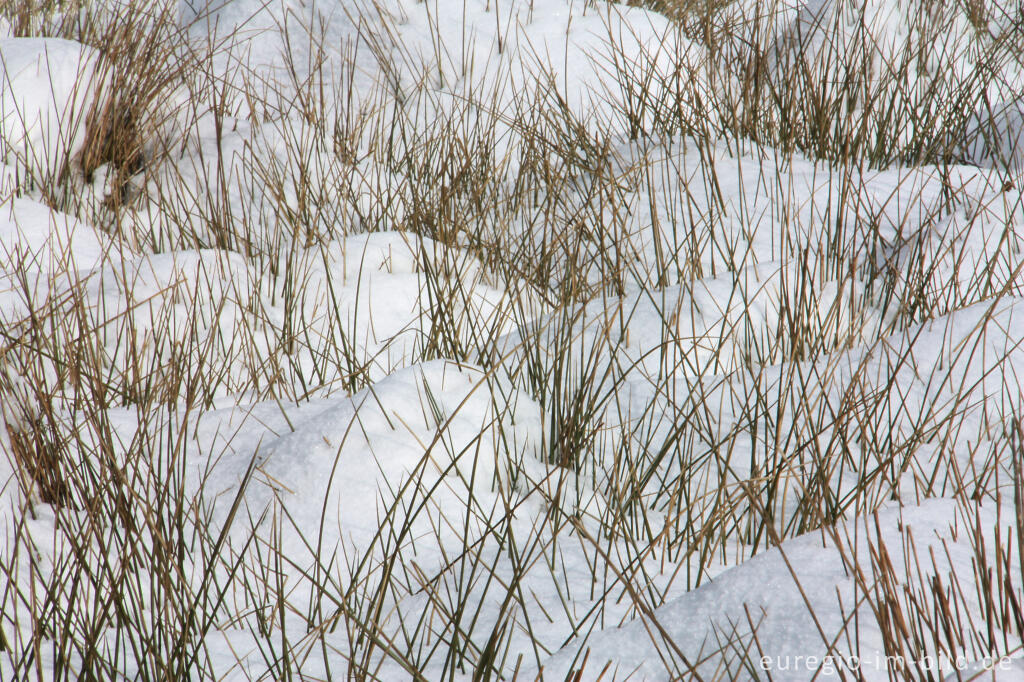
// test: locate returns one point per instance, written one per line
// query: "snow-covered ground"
(505, 339)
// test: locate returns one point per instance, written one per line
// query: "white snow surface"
(388, 445)
(803, 594)
(48, 88)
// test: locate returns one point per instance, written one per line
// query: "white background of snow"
(48, 87)
(389, 290)
(780, 606)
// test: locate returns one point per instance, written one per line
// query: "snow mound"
(49, 86)
(714, 626)
(999, 139)
(284, 42)
(345, 457)
(42, 253)
(512, 47)
(38, 239)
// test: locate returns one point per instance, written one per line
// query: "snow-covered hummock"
(763, 608)
(48, 87)
(283, 41)
(427, 423)
(911, 50)
(38, 238)
(43, 250)
(1001, 140)
(480, 44)
(478, 48)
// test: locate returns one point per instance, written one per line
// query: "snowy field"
(503, 339)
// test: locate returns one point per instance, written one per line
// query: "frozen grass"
(426, 347)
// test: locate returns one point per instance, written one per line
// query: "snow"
(41, 239)
(1002, 128)
(351, 451)
(388, 409)
(718, 623)
(43, 250)
(281, 40)
(48, 88)
(515, 40)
